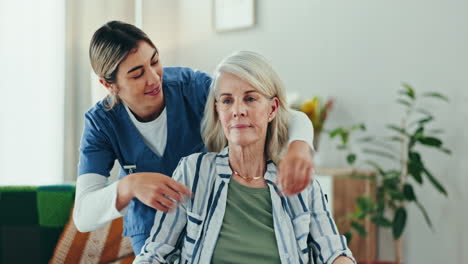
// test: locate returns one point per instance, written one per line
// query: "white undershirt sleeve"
(95, 202)
(300, 128)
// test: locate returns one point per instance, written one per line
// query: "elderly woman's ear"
(274, 108)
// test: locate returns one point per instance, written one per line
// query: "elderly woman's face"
(244, 113)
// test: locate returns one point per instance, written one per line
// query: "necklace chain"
(246, 178)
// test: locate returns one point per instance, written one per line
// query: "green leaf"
(365, 204)
(380, 220)
(351, 158)
(415, 170)
(424, 212)
(418, 133)
(380, 198)
(397, 129)
(399, 222)
(396, 195)
(348, 235)
(404, 102)
(336, 131)
(430, 141)
(415, 156)
(415, 166)
(408, 90)
(425, 120)
(359, 228)
(391, 183)
(379, 153)
(409, 192)
(361, 126)
(422, 121)
(344, 138)
(446, 151)
(436, 95)
(435, 182)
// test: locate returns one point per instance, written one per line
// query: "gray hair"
(109, 46)
(257, 71)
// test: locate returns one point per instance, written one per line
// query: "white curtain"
(32, 66)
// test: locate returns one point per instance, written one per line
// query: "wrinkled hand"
(295, 168)
(153, 189)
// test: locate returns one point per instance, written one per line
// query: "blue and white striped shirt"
(304, 229)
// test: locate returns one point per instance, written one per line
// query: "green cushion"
(53, 204)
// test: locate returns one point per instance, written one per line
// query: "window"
(32, 82)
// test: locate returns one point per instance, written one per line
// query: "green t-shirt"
(247, 234)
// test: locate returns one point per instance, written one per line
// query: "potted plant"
(398, 163)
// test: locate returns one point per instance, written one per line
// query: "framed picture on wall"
(233, 14)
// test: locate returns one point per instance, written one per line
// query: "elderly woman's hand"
(295, 168)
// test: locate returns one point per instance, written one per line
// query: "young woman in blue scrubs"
(148, 122)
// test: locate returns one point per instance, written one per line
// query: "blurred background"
(357, 52)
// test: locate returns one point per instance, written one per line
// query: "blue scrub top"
(110, 135)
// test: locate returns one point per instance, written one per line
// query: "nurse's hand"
(153, 189)
(295, 168)
(343, 260)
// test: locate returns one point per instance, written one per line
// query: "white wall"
(359, 52)
(84, 17)
(161, 23)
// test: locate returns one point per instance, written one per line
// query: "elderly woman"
(237, 213)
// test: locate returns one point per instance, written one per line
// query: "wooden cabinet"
(345, 190)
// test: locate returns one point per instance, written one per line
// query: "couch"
(36, 227)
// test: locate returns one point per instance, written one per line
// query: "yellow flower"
(309, 106)
(317, 111)
(311, 109)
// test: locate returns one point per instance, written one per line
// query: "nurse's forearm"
(95, 202)
(300, 128)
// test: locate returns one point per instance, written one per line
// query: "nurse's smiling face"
(139, 82)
